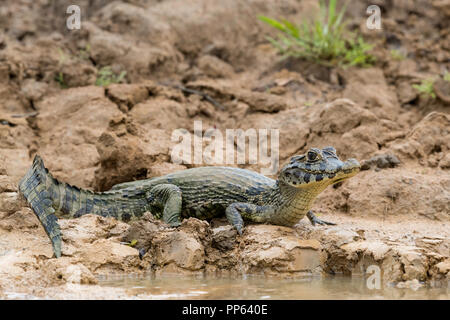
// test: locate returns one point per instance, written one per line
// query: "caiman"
(204, 193)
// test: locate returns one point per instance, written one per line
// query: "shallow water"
(259, 287)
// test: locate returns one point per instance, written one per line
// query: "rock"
(257, 101)
(414, 264)
(442, 89)
(368, 88)
(347, 126)
(77, 74)
(143, 231)
(18, 156)
(444, 267)
(224, 238)
(34, 90)
(381, 161)
(104, 256)
(6, 184)
(19, 219)
(430, 135)
(271, 249)
(89, 228)
(264, 102)
(398, 192)
(160, 113)
(177, 250)
(443, 6)
(127, 152)
(9, 202)
(70, 123)
(376, 249)
(214, 67)
(127, 95)
(405, 92)
(65, 269)
(444, 163)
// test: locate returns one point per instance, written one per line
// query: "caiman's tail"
(50, 198)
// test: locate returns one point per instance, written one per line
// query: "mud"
(394, 214)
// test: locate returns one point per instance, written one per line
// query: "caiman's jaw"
(318, 169)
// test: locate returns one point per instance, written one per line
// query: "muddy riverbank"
(394, 214)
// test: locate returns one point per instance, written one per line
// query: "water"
(259, 287)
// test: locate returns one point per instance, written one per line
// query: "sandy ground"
(393, 214)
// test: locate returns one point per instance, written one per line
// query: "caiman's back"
(207, 191)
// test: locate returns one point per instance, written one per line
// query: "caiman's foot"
(175, 224)
(313, 219)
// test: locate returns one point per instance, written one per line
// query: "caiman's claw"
(313, 219)
(175, 224)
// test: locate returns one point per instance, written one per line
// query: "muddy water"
(256, 287)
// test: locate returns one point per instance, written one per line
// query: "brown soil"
(395, 213)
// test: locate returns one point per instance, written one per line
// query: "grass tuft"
(425, 88)
(106, 76)
(325, 41)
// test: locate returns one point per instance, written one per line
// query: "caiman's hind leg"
(313, 219)
(167, 196)
(252, 212)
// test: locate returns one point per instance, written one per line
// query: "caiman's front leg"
(238, 210)
(169, 197)
(313, 219)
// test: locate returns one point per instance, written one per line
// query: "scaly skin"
(204, 193)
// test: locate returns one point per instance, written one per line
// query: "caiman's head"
(317, 169)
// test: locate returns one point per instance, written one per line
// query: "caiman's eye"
(312, 156)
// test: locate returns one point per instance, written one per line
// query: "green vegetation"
(106, 76)
(447, 76)
(60, 79)
(60, 76)
(425, 88)
(326, 41)
(84, 54)
(397, 55)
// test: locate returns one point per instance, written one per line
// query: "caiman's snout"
(349, 168)
(351, 165)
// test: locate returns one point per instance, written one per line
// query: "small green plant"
(84, 54)
(447, 76)
(106, 76)
(397, 55)
(325, 41)
(425, 88)
(59, 77)
(62, 57)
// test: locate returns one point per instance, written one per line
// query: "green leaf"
(291, 28)
(274, 23)
(133, 243)
(331, 12)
